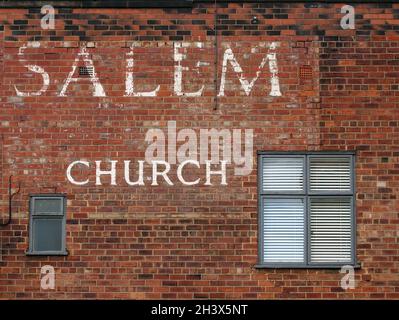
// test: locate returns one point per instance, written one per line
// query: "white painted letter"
(34, 68)
(140, 180)
(111, 172)
(222, 172)
(179, 57)
(98, 88)
(180, 170)
(69, 175)
(129, 82)
(155, 172)
(246, 85)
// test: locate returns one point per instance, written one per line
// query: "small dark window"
(47, 225)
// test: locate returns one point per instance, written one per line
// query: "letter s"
(34, 68)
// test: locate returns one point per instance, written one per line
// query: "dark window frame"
(33, 217)
(307, 196)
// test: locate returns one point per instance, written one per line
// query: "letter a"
(98, 88)
(48, 280)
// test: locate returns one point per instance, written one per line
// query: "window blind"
(330, 174)
(283, 174)
(330, 227)
(307, 208)
(283, 223)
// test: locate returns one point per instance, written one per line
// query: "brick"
(176, 242)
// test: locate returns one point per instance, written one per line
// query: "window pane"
(48, 206)
(283, 234)
(330, 174)
(330, 221)
(47, 235)
(282, 174)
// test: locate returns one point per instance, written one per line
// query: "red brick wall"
(195, 242)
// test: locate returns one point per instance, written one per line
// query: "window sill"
(32, 253)
(264, 266)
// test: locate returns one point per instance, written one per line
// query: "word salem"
(179, 50)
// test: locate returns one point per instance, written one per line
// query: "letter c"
(180, 170)
(69, 176)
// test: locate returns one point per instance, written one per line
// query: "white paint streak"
(202, 64)
(129, 82)
(178, 75)
(246, 85)
(34, 68)
(274, 80)
(98, 88)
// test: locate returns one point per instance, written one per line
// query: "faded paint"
(34, 68)
(129, 82)
(246, 85)
(178, 56)
(98, 88)
(178, 75)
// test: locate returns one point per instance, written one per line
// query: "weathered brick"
(180, 242)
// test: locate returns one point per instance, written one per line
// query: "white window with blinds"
(306, 209)
(283, 225)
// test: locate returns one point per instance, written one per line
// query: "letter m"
(228, 57)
